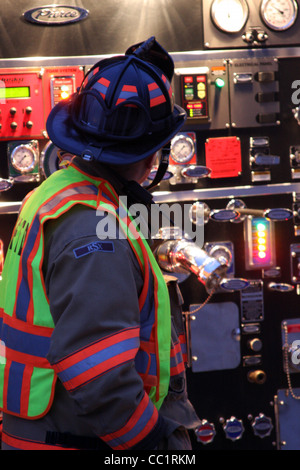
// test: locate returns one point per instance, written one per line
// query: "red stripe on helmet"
(152, 86)
(157, 100)
(129, 88)
(104, 81)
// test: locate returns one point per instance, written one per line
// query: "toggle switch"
(262, 159)
(266, 77)
(242, 78)
(267, 118)
(267, 97)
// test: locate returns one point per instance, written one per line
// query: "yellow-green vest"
(27, 380)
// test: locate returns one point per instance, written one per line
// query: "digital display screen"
(14, 92)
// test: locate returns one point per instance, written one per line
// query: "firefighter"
(94, 347)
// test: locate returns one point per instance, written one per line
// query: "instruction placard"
(223, 156)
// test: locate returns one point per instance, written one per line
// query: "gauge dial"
(51, 160)
(23, 158)
(279, 15)
(182, 149)
(229, 15)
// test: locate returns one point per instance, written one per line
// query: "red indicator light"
(194, 106)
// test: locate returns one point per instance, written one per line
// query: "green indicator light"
(219, 82)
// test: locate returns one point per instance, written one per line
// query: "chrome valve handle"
(181, 256)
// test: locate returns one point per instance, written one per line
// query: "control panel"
(194, 93)
(27, 96)
(22, 112)
(238, 165)
(234, 171)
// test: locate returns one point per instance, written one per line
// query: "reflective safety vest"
(27, 379)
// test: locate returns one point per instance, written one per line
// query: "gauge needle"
(275, 8)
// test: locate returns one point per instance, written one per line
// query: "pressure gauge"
(23, 159)
(279, 15)
(182, 148)
(229, 16)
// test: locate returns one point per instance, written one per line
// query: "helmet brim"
(64, 135)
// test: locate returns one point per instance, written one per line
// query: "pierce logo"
(55, 14)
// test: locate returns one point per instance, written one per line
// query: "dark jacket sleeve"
(93, 293)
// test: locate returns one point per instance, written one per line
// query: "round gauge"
(182, 148)
(53, 159)
(49, 159)
(279, 15)
(229, 16)
(24, 158)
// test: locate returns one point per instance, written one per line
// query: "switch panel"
(254, 92)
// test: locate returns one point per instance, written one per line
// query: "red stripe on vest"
(178, 369)
(6, 376)
(175, 349)
(131, 424)
(24, 399)
(98, 370)
(96, 347)
(26, 327)
(30, 313)
(24, 358)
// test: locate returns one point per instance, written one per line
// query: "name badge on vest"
(105, 247)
